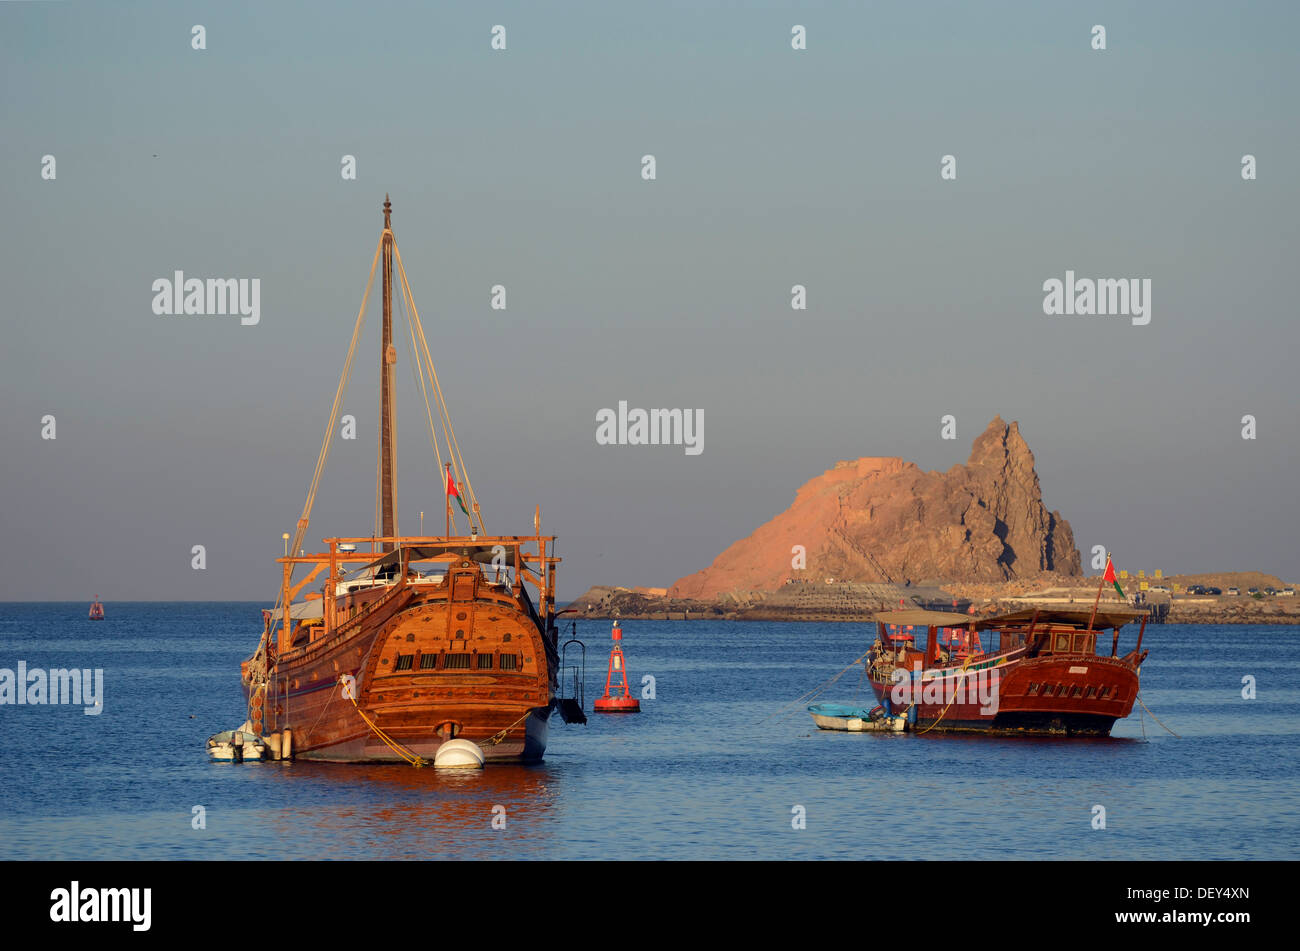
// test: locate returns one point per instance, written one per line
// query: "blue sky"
(775, 167)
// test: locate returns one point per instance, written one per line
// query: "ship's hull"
(419, 665)
(1056, 695)
(526, 745)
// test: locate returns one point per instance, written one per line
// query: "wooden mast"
(388, 358)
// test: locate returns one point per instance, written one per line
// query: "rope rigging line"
(334, 409)
(1138, 697)
(426, 375)
(790, 707)
(944, 712)
(319, 717)
(501, 735)
(426, 367)
(418, 361)
(457, 463)
(406, 754)
(259, 657)
(449, 431)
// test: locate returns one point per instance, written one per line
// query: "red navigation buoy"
(616, 680)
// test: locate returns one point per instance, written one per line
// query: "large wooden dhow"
(389, 646)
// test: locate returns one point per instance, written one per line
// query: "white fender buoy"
(458, 754)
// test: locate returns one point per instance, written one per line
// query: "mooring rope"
(322, 713)
(969, 658)
(502, 734)
(812, 693)
(1138, 697)
(392, 744)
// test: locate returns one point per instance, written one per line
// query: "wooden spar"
(284, 640)
(331, 589)
(387, 360)
(293, 592)
(1029, 635)
(545, 590)
(550, 585)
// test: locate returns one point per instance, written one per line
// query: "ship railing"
(347, 627)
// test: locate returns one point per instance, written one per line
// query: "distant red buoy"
(618, 696)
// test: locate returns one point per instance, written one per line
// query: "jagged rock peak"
(881, 518)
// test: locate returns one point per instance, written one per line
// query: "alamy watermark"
(59, 687)
(972, 687)
(215, 296)
(76, 903)
(1104, 297)
(654, 427)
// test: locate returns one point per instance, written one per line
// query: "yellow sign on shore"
(1142, 586)
(1141, 573)
(1124, 574)
(1159, 574)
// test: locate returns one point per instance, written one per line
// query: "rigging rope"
(810, 694)
(502, 735)
(418, 360)
(449, 431)
(1138, 697)
(444, 415)
(259, 664)
(334, 410)
(943, 713)
(318, 718)
(392, 744)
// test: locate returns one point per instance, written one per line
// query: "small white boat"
(224, 746)
(838, 716)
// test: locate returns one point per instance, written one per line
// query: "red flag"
(452, 490)
(1110, 576)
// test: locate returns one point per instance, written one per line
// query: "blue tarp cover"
(839, 710)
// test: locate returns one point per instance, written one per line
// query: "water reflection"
(397, 811)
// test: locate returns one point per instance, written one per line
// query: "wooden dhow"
(407, 642)
(1045, 671)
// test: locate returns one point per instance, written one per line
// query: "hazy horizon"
(522, 167)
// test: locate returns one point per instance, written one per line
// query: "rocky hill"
(885, 520)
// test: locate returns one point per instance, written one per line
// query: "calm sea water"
(712, 768)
